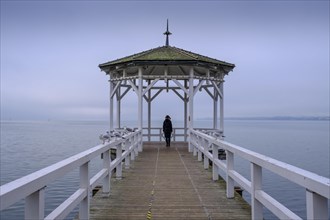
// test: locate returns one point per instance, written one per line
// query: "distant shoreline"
(274, 118)
(278, 118)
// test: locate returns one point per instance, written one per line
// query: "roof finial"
(167, 33)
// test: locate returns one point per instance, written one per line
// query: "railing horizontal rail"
(274, 206)
(97, 177)
(26, 185)
(34, 183)
(157, 135)
(241, 180)
(317, 187)
(68, 205)
(304, 178)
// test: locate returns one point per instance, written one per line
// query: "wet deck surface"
(167, 183)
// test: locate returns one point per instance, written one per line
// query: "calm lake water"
(29, 146)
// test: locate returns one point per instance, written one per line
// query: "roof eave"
(113, 66)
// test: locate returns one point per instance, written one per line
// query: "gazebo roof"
(165, 55)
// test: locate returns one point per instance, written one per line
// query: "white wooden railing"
(32, 186)
(317, 187)
(178, 134)
(157, 134)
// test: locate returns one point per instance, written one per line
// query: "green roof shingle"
(165, 54)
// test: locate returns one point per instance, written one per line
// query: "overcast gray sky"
(50, 51)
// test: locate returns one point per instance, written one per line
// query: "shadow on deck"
(167, 183)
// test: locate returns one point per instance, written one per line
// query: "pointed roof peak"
(167, 33)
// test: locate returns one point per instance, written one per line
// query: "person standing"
(167, 129)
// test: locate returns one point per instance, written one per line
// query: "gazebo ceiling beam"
(173, 78)
(208, 92)
(167, 72)
(198, 86)
(135, 89)
(210, 78)
(146, 98)
(178, 94)
(120, 66)
(208, 66)
(125, 92)
(151, 70)
(217, 89)
(115, 89)
(150, 86)
(125, 85)
(207, 73)
(198, 72)
(156, 94)
(165, 77)
(124, 78)
(183, 71)
(164, 87)
(206, 86)
(181, 86)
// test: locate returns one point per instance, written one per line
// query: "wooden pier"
(167, 183)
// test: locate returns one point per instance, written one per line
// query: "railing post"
(256, 183)
(215, 169)
(317, 206)
(127, 158)
(199, 155)
(206, 149)
(106, 180)
(229, 180)
(119, 168)
(35, 205)
(199, 152)
(194, 144)
(173, 134)
(140, 141)
(135, 144)
(131, 143)
(84, 184)
(190, 140)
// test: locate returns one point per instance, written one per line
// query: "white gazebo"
(188, 71)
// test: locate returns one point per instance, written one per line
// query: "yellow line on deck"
(149, 213)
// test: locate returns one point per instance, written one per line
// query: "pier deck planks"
(182, 189)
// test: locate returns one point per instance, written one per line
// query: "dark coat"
(167, 127)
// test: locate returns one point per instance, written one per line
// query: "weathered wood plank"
(171, 184)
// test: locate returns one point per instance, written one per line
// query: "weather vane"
(167, 33)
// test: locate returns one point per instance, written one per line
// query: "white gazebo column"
(149, 112)
(118, 107)
(111, 104)
(222, 108)
(185, 111)
(140, 106)
(215, 109)
(191, 105)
